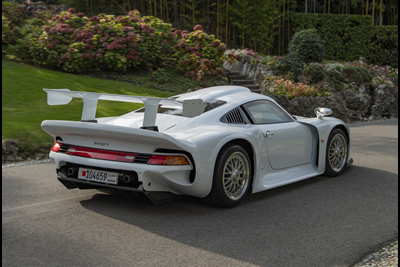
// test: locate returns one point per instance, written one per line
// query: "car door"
(288, 142)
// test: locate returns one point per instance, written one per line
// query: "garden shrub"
(5, 30)
(304, 48)
(315, 72)
(356, 74)
(383, 46)
(308, 45)
(13, 12)
(198, 54)
(32, 29)
(290, 89)
(76, 43)
(291, 62)
(349, 37)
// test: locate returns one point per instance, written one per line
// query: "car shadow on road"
(317, 220)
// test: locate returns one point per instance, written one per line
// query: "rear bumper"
(151, 178)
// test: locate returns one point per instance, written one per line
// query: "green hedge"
(349, 37)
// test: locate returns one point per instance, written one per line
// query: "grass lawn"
(24, 103)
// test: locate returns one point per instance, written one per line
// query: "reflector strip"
(101, 154)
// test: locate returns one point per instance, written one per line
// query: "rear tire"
(336, 153)
(232, 177)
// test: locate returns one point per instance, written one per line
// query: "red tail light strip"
(87, 152)
(101, 154)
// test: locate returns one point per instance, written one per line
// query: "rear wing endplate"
(190, 107)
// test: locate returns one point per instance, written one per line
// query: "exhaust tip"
(71, 171)
(127, 179)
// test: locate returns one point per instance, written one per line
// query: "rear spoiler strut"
(190, 107)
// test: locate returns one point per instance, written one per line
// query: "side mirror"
(322, 112)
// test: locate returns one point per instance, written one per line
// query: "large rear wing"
(190, 107)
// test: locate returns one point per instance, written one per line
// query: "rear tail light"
(86, 152)
(101, 154)
(168, 160)
(56, 147)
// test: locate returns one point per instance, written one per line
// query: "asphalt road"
(317, 222)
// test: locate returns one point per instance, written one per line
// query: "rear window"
(178, 112)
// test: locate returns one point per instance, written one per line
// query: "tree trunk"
(283, 28)
(217, 19)
(288, 21)
(175, 13)
(227, 20)
(373, 12)
(208, 15)
(193, 11)
(329, 6)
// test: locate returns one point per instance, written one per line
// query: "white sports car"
(217, 143)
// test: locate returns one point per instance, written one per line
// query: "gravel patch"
(384, 257)
(28, 162)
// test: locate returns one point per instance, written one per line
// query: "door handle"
(268, 134)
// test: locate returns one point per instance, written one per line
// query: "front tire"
(336, 153)
(232, 177)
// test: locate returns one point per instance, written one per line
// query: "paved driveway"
(317, 222)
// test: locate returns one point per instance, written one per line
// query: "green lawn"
(24, 103)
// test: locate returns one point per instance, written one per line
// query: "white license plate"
(98, 176)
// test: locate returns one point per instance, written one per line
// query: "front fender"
(325, 126)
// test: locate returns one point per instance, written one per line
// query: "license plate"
(98, 176)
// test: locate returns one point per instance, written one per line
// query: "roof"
(211, 93)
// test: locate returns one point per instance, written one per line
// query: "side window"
(264, 112)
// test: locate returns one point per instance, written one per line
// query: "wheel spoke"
(236, 175)
(337, 152)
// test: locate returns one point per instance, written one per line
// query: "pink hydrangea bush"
(76, 43)
(198, 54)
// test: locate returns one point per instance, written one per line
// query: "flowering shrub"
(77, 43)
(234, 55)
(14, 12)
(379, 80)
(386, 71)
(198, 54)
(11, 17)
(290, 89)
